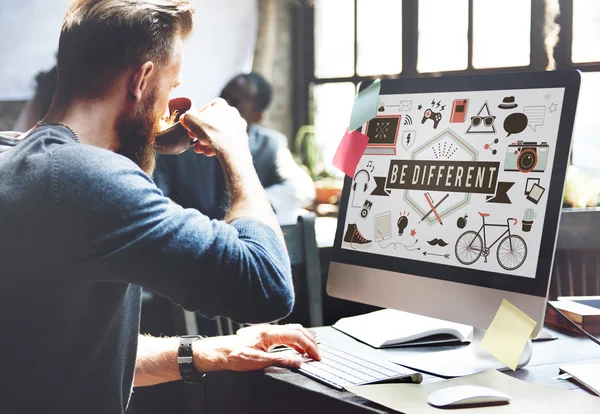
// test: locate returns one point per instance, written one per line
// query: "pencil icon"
(433, 208)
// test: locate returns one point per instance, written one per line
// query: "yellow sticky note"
(508, 333)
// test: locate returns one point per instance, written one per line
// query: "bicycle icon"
(511, 252)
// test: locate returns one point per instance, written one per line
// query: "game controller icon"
(436, 117)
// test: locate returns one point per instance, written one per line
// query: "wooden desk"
(279, 390)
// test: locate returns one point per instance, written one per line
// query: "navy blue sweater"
(81, 230)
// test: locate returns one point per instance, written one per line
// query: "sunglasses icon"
(488, 121)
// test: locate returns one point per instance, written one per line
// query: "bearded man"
(84, 228)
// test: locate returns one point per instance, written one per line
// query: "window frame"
(304, 47)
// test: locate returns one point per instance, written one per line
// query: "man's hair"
(262, 99)
(99, 38)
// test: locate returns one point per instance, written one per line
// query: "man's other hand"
(219, 128)
(249, 350)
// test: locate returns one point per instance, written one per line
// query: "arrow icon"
(446, 256)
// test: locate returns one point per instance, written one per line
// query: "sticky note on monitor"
(365, 105)
(349, 151)
(508, 334)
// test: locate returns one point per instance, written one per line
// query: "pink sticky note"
(348, 154)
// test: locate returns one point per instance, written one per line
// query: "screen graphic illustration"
(526, 157)
(510, 253)
(489, 146)
(483, 122)
(501, 196)
(528, 218)
(405, 106)
(408, 139)
(437, 242)
(354, 238)
(508, 103)
(445, 256)
(434, 113)
(459, 111)
(364, 212)
(402, 222)
(383, 133)
(360, 186)
(462, 221)
(436, 117)
(533, 190)
(553, 107)
(535, 115)
(515, 123)
(420, 201)
(433, 208)
(407, 247)
(383, 226)
(380, 189)
(435, 176)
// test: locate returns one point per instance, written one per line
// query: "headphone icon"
(368, 179)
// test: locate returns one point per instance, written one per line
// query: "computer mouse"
(462, 395)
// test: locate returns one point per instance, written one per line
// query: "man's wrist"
(185, 359)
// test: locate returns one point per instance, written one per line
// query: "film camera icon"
(526, 157)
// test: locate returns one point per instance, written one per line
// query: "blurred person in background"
(198, 182)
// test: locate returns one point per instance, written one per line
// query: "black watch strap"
(185, 359)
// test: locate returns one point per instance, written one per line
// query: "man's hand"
(249, 350)
(219, 128)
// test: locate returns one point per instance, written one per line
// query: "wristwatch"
(185, 359)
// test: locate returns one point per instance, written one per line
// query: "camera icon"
(527, 157)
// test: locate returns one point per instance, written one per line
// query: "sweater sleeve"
(121, 228)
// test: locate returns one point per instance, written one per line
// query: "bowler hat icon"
(508, 103)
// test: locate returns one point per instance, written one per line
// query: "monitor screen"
(466, 195)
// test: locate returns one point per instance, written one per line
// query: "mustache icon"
(438, 242)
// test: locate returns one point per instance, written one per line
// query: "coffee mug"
(175, 139)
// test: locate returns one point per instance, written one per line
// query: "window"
(501, 33)
(333, 104)
(334, 38)
(356, 40)
(379, 40)
(442, 40)
(586, 31)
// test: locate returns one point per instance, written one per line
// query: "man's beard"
(137, 134)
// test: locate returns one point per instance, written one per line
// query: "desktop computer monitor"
(464, 210)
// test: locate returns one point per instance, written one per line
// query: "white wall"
(221, 46)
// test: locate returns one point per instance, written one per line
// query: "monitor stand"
(461, 361)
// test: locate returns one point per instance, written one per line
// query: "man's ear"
(139, 80)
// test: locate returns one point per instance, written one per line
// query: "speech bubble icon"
(536, 115)
(515, 123)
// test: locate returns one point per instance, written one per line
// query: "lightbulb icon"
(402, 222)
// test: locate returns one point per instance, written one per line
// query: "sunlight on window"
(443, 27)
(379, 37)
(501, 33)
(586, 31)
(334, 38)
(586, 145)
(332, 105)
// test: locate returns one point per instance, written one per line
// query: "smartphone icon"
(459, 111)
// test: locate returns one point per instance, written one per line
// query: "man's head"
(250, 94)
(128, 54)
